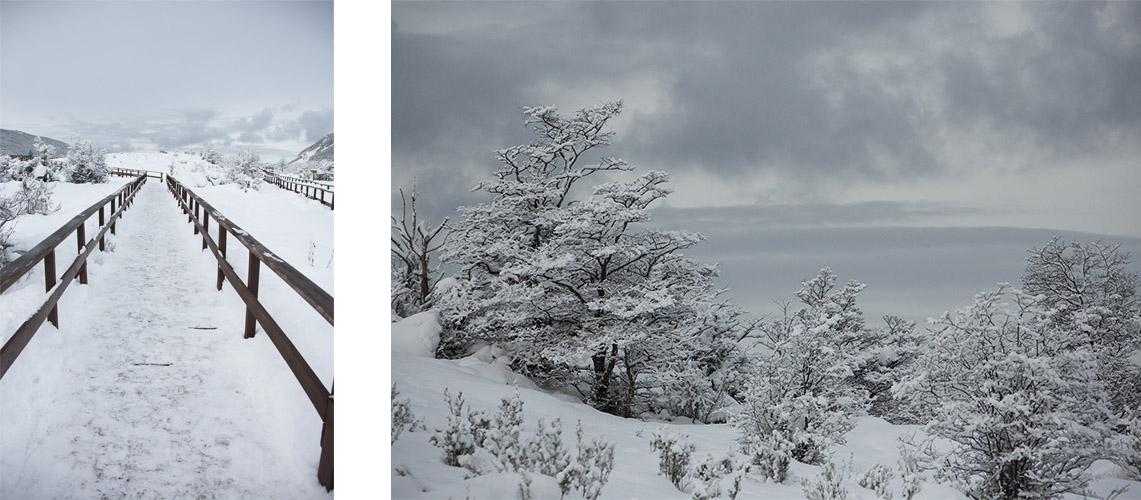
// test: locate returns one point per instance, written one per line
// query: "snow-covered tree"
(211, 156)
(1017, 395)
(414, 241)
(804, 388)
(44, 151)
(1089, 288)
(566, 283)
(86, 163)
(244, 169)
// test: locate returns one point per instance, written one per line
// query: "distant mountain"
(320, 150)
(14, 142)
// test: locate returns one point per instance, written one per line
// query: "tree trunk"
(603, 370)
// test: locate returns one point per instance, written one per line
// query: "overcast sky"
(143, 75)
(831, 125)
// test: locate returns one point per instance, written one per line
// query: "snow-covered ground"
(148, 390)
(418, 470)
(297, 229)
(24, 298)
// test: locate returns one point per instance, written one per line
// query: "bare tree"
(414, 276)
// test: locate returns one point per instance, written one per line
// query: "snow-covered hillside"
(320, 150)
(419, 471)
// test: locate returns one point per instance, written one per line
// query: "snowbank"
(417, 335)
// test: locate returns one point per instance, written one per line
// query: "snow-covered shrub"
(909, 473)
(674, 455)
(244, 169)
(568, 284)
(769, 455)
(402, 416)
(10, 210)
(877, 479)
(86, 163)
(35, 197)
(708, 472)
(464, 432)
(1018, 397)
(210, 155)
(546, 452)
(887, 352)
(591, 469)
(827, 486)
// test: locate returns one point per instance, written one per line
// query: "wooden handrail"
(132, 172)
(199, 213)
(45, 251)
(311, 190)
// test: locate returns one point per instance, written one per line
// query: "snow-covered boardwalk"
(148, 390)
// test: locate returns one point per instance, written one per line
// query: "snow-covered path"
(151, 398)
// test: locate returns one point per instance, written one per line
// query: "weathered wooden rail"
(199, 212)
(45, 252)
(311, 190)
(131, 172)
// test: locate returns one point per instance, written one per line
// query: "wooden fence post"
(252, 284)
(81, 240)
(206, 226)
(222, 248)
(49, 280)
(112, 215)
(101, 247)
(196, 207)
(325, 466)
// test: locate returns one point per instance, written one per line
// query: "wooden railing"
(309, 189)
(131, 172)
(45, 251)
(200, 213)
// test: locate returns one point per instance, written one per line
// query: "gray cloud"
(316, 124)
(258, 121)
(823, 93)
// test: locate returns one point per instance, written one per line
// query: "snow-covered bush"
(877, 479)
(1017, 395)
(244, 169)
(10, 210)
(707, 474)
(35, 197)
(568, 284)
(804, 385)
(769, 455)
(674, 455)
(402, 416)
(210, 155)
(548, 456)
(464, 432)
(909, 473)
(86, 163)
(591, 469)
(827, 486)
(485, 444)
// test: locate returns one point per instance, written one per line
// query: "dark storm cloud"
(813, 90)
(1070, 83)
